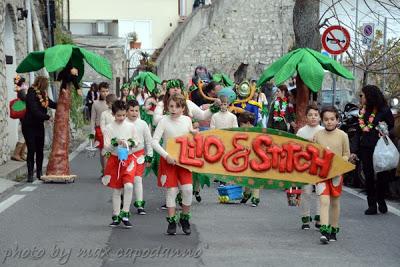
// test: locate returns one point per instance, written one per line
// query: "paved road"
(66, 224)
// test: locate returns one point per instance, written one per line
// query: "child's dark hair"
(246, 117)
(117, 106)
(132, 103)
(330, 109)
(311, 107)
(103, 85)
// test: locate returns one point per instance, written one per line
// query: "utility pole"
(49, 22)
(384, 56)
(29, 34)
(355, 50)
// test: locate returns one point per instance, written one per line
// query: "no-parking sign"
(335, 39)
(368, 33)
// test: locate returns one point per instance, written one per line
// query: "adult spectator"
(37, 102)
(91, 96)
(374, 109)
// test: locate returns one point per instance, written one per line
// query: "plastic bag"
(386, 155)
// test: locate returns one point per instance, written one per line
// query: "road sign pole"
(334, 85)
(384, 57)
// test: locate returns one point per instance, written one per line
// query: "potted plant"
(134, 40)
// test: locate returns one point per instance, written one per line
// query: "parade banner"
(256, 153)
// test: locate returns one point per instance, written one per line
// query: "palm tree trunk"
(302, 99)
(58, 165)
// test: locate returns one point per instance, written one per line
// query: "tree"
(306, 32)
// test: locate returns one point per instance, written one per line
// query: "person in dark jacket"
(374, 109)
(91, 96)
(37, 102)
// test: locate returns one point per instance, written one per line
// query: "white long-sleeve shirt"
(194, 112)
(308, 132)
(222, 120)
(106, 118)
(170, 128)
(97, 108)
(121, 131)
(143, 135)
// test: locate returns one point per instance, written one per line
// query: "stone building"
(227, 36)
(13, 48)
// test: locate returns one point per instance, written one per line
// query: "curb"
(13, 169)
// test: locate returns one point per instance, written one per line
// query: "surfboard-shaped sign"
(258, 153)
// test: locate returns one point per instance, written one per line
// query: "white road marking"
(28, 188)
(357, 194)
(37, 182)
(10, 201)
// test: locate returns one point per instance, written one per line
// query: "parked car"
(342, 97)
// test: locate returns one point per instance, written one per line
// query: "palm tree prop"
(56, 58)
(148, 79)
(309, 65)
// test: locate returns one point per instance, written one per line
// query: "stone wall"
(227, 34)
(9, 8)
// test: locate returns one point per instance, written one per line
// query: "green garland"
(139, 203)
(131, 142)
(124, 214)
(172, 219)
(174, 83)
(325, 229)
(214, 108)
(186, 217)
(306, 219)
(255, 200)
(114, 142)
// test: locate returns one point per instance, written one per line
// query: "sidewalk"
(13, 173)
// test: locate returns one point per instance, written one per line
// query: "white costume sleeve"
(158, 113)
(197, 112)
(155, 142)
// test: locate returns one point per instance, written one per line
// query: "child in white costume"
(308, 132)
(223, 118)
(170, 175)
(119, 141)
(144, 148)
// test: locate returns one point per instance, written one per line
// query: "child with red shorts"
(170, 175)
(329, 191)
(144, 138)
(119, 141)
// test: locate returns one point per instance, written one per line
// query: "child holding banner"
(308, 132)
(246, 119)
(329, 191)
(170, 175)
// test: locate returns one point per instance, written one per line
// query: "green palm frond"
(310, 66)
(58, 57)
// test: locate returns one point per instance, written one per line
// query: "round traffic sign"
(368, 30)
(335, 40)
